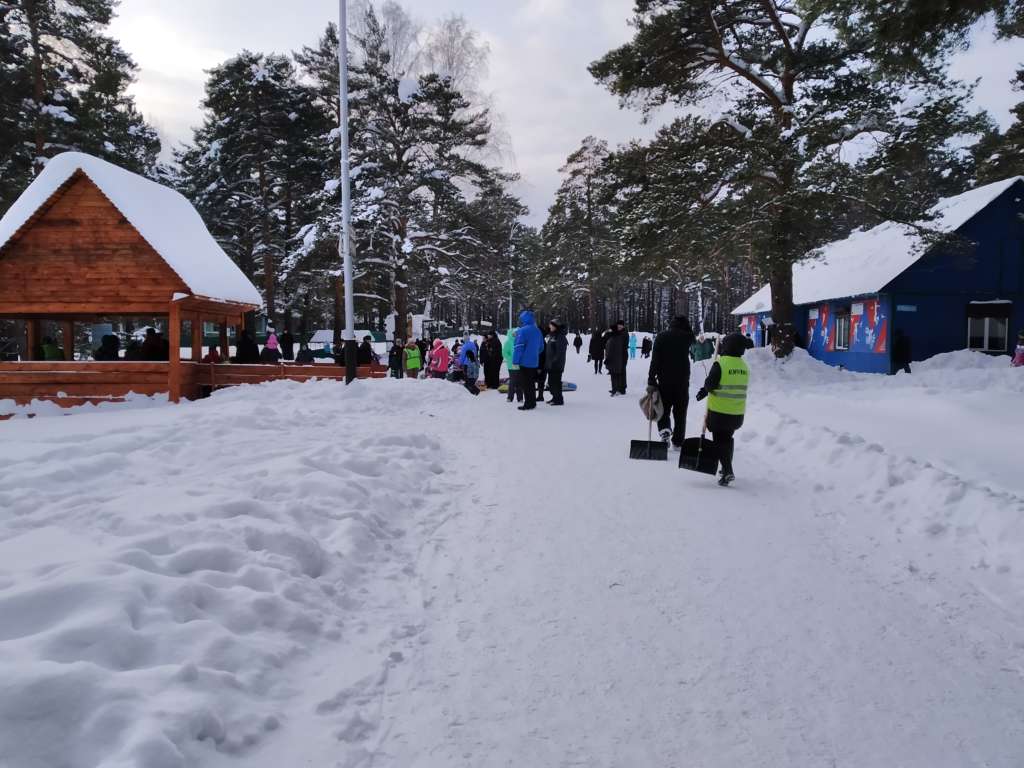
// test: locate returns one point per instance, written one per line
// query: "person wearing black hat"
(554, 360)
(616, 357)
(491, 360)
(364, 355)
(670, 376)
(726, 392)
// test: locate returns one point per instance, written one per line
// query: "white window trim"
(988, 347)
(849, 330)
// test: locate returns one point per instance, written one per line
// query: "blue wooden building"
(963, 293)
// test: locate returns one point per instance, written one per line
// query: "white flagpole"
(349, 334)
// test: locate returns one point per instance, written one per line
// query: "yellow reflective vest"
(731, 396)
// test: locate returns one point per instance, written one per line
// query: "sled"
(567, 386)
(648, 450)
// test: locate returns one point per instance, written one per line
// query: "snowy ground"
(399, 575)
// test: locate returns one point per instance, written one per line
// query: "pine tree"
(1001, 155)
(248, 170)
(577, 234)
(69, 80)
(800, 96)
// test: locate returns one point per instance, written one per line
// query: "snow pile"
(45, 408)
(166, 220)
(934, 453)
(164, 573)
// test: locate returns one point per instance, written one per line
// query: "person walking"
(632, 346)
(616, 357)
(491, 359)
(554, 360)
(440, 357)
(578, 342)
(726, 391)
(902, 354)
(596, 351)
(413, 359)
(646, 347)
(508, 350)
(526, 354)
(396, 359)
(670, 376)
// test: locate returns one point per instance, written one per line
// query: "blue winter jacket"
(529, 342)
(469, 346)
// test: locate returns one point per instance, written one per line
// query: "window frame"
(846, 319)
(987, 344)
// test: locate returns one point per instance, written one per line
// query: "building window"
(843, 331)
(987, 334)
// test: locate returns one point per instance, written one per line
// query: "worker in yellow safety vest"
(726, 391)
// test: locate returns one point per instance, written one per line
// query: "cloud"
(538, 73)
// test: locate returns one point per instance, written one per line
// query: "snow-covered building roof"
(162, 216)
(868, 260)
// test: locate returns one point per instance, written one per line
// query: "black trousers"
(542, 380)
(555, 385)
(515, 390)
(619, 382)
(492, 375)
(397, 373)
(528, 384)
(724, 447)
(676, 402)
(598, 363)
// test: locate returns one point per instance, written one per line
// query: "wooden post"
(197, 338)
(174, 362)
(68, 331)
(31, 339)
(225, 346)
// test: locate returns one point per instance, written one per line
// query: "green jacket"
(509, 348)
(52, 352)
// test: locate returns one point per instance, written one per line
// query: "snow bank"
(935, 453)
(163, 573)
(45, 408)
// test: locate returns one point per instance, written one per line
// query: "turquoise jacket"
(508, 349)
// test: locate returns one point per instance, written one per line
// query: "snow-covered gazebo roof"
(868, 260)
(163, 217)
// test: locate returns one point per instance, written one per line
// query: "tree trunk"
(38, 83)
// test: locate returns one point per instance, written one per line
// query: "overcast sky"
(540, 50)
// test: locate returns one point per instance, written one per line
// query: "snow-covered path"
(401, 576)
(596, 612)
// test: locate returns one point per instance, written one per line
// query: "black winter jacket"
(554, 351)
(616, 352)
(596, 348)
(670, 360)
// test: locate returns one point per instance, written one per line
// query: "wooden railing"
(74, 383)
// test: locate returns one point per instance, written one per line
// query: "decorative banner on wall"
(869, 328)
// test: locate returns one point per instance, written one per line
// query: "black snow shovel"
(649, 450)
(699, 454)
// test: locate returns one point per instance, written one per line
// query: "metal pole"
(346, 199)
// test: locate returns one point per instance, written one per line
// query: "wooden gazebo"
(87, 241)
